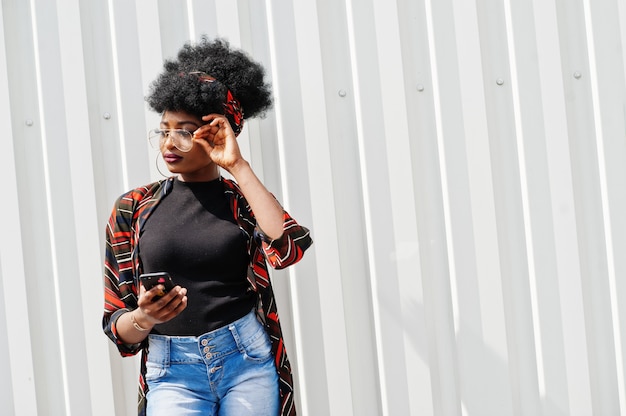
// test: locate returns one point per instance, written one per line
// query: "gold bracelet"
(135, 324)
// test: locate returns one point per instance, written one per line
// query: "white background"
(461, 164)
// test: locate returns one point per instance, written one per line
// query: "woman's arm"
(268, 212)
(120, 294)
(220, 142)
(134, 326)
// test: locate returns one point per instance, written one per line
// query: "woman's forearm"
(131, 328)
(267, 211)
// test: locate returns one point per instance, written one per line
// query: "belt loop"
(233, 330)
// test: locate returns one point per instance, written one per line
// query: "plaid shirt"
(122, 268)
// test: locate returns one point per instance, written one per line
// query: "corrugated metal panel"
(462, 166)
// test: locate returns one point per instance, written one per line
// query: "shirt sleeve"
(120, 294)
(289, 248)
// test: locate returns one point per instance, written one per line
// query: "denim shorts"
(228, 372)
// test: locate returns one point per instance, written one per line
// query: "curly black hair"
(178, 89)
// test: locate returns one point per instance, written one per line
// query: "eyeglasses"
(182, 139)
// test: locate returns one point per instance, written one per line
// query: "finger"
(174, 297)
(156, 292)
(212, 116)
(206, 133)
(147, 297)
(202, 132)
(172, 308)
(159, 294)
(221, 123)
(169, 297)
(176, 309)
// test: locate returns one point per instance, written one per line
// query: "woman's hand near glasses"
(220, 142)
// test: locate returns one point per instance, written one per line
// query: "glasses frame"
(175, 135)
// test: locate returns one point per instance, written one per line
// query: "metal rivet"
(577, 75)
(420, 87)
(29, 122)
(106, 116)
(342, 93)
(499, 81)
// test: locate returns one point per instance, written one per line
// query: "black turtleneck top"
(192, 234)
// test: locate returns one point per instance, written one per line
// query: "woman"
(212, 344)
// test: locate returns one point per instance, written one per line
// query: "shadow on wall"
(483, 375)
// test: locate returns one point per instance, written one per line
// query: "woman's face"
(194, 165)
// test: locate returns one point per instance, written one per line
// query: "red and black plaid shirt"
(122, 268)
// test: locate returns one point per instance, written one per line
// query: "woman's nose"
(168, 141)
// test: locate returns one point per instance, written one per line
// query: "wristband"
(135, 324)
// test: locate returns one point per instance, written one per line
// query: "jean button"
(204, 342)
(208, 356)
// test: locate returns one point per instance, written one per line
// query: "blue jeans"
(226, 372)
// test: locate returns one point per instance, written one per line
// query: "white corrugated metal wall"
(462, 166)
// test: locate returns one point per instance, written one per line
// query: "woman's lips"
(171, 158)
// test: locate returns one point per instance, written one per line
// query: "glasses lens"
(154, 138)
(182, 139)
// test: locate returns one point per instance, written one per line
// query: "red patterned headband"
(232, 106)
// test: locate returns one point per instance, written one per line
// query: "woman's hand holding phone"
(162, 302)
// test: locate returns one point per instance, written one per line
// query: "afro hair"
(178, 89)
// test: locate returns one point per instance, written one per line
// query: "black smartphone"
(150, 280)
